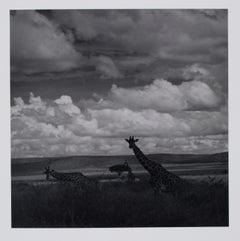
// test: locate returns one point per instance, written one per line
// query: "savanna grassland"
(197, 203)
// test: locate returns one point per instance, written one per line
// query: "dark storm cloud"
(171, 34)
(37, 45)
(52, 37)
(214, 14)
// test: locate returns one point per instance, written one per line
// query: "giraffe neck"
(146, 163)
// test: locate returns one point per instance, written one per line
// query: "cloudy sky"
(82, 81)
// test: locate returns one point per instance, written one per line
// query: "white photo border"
(109, 234)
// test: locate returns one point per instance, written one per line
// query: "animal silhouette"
(119, 169)
(160, 179)
(77, 178)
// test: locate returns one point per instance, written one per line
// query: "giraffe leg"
(154, 182)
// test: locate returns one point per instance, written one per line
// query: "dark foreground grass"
(119, 205)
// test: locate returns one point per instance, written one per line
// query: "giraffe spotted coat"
(160, 178)
(77, 178)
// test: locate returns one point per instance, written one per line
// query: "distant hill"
(163, 158)
(27, 165)
(185, 158)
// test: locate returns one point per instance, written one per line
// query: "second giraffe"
(77, 178)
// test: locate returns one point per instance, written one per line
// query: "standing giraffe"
(161, 179)
(76, 178)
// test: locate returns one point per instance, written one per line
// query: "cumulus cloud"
(65, 104)
(193, 144)
(37, 45)
(60, 127)
(116, 146)
(215, 76)
(163, 96)
(121, 122)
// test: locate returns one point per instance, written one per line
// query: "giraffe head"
(131, 141)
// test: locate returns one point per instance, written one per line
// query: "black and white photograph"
(119, 118)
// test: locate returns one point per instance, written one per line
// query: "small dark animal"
(119, 169)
